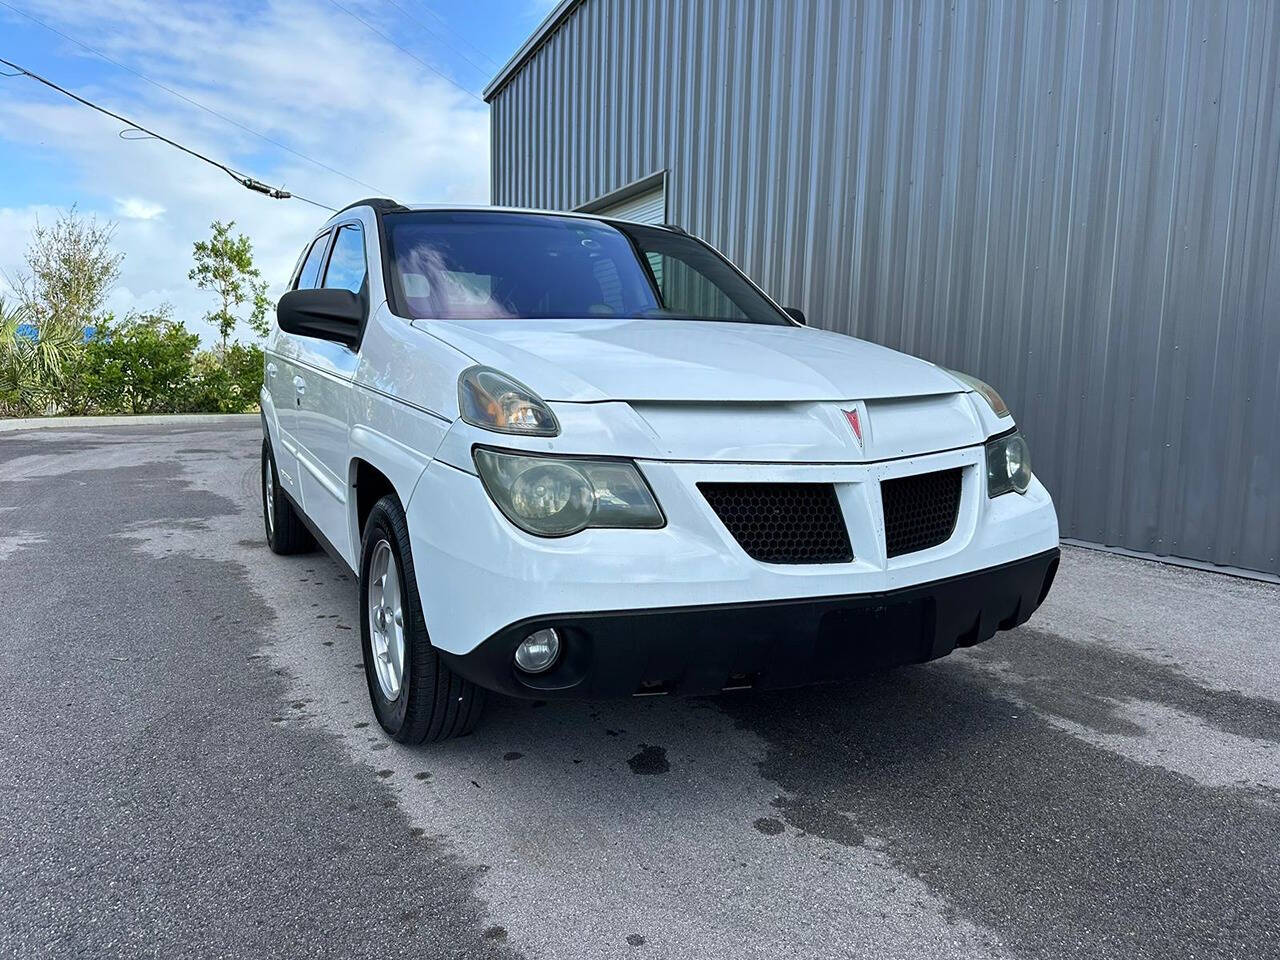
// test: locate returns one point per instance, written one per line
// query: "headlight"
(988, 392)
(1008, 465)
(494, 401)
(557, 496)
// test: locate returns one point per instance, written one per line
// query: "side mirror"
(325, 314)
(796, 314)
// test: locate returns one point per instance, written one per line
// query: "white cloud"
(301, 73)
(135, 208)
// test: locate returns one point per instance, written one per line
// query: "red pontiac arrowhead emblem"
(855, 424)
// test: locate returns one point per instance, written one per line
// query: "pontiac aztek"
(569, 456)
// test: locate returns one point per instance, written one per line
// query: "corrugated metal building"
(1075, 200)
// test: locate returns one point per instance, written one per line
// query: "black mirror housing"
(796, 314)
(325, 314)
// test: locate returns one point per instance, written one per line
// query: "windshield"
(458, 265)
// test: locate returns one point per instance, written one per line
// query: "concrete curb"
(176, 419)
(1202, 565)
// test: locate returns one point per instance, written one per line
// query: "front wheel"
(415, 696)
(286, 532)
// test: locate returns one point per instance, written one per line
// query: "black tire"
(287, 534)
(433, 702)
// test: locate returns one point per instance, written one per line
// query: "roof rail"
(380, 204)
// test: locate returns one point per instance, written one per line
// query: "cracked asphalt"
(189, 766)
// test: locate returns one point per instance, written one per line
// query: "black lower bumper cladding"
(768, 645)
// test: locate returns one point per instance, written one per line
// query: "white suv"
(570, 456)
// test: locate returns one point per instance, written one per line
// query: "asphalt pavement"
(189, 766)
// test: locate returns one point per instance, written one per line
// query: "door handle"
(271, 370)
(300, 385)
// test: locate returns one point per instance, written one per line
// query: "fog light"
(538, 651)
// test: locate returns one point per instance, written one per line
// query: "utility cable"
(486, 72)
(195, 103)
(244, 180)
(406, 51)
(494, 64)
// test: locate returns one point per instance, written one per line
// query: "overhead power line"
(406, 51)
(485, 71)
(191, 100)
(243, 179)
(494, 64)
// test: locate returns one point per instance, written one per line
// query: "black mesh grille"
(920, 511)
(782, 522)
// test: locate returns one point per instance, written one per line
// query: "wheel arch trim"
(396, 462)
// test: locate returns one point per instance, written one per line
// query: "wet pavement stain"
(770, 826)
(814, 816)
(650, 761)
(1103, 679)
(1062, 848)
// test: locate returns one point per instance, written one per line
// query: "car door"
(322, 395)
(281, 368)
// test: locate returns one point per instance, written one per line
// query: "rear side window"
(309, 275)
(346, 264)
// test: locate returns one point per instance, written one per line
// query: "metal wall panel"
(1077, 201)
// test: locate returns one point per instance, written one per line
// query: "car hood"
(686, 360)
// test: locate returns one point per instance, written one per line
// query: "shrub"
(243, 363)
(141, 366)
(227, 381)
(60, 353)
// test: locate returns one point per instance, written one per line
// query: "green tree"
(70, 269)
(224, 265)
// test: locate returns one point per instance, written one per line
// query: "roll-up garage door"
(647, 207)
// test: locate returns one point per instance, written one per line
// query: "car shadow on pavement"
(962, 775)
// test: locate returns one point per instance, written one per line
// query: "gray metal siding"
(1076, 201)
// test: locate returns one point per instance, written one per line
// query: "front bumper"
(769, 645)
(477, 574)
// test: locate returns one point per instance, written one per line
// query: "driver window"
(346, 264)
(310, 272)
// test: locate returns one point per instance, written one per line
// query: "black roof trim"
(379, 204)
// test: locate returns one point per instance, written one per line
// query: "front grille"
(782, 522)
(920, 511)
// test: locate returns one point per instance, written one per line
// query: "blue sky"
(307, 74)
